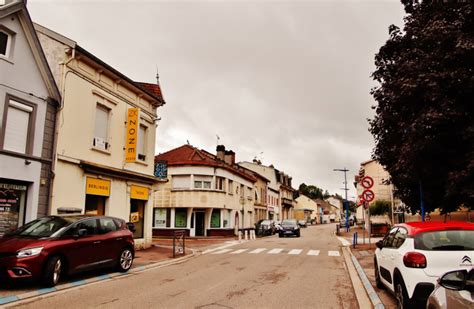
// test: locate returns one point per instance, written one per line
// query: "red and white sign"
(368, 195)
(367, 182)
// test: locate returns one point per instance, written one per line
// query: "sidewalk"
(364, 253)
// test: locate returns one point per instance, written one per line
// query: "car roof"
(415, 228)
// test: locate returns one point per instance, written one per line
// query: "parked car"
(289, 227)
(455, 289)
(302, 223)
(50, 247)
(413, 255)
(265, 227)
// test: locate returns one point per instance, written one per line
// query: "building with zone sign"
(105, 137)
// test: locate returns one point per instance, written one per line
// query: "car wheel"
(401, 295)
(279, 235)
(378, 282)
(298, 234)
(125, 260)
(53, 271)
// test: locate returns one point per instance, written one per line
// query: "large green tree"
(424, 121)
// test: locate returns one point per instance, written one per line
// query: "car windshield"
(288, 222)
(460, 240)
(43, 227)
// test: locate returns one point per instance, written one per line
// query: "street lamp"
(346, 203)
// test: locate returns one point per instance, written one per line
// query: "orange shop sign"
(132, 135)
(139, 193)
(97, 186)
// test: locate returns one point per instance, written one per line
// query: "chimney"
(229, 157)
(220, 152)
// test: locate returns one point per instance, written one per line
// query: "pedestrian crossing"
(274, 251)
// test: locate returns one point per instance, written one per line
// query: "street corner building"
(29, 100)
(207, 194)
(106, 137)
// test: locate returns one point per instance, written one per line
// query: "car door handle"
(96, 242)
(118, 238)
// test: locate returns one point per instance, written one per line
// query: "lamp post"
(346, 203)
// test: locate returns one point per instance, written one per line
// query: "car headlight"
(29, 252)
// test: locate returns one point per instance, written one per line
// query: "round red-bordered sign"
(367, 182)
(368, 195)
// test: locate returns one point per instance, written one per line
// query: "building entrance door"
(199, 217)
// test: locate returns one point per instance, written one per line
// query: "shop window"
(95, 205)
(216, 218)
(100, 140)
(19, 130)
(180, 182)
(12, 205)
(180, 217)
(161, 217)
(226, 218)
(142, 138)
(220, 183)
(137, 216)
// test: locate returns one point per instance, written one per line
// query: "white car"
(412, 256)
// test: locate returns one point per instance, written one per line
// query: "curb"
(374, 298)
(137, 269)
(369, 289)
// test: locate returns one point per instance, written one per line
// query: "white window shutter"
(101, 123)
(16, 131)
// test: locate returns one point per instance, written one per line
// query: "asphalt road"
(270, 272)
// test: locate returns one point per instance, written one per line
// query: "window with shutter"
(142, 136)
(17, 127)
(100, 139)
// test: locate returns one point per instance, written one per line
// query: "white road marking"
(256, 251)
(334, 253)
(222, 251)
(239, 251)
(275, 251)
(313, 252)
(295, 251)
(229, 244)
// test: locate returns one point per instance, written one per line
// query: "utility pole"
(346, 203)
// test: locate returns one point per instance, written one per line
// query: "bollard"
(246, 235)
(240, 235)
(354, 239)
(337, 229)
(252, 234)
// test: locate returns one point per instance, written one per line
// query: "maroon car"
(52, 246)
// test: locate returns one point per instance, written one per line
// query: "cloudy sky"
(285, 81)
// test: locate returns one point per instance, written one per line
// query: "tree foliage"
(311, 191)
(380, 208)
(424, 123)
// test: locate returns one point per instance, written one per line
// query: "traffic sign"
(368, 195)
(367, 182)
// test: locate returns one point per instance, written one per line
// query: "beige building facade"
(206, 194)
(306, 209)
(105, 139)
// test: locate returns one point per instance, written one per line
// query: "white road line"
(222, 251)
(334, 253)
(256, 251)
(239, 251)
(275, 251)
(313, 252)
(228, 244)
(295, 251)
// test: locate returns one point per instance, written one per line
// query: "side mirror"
(131, 227)
(454, 280)
(379, 244)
